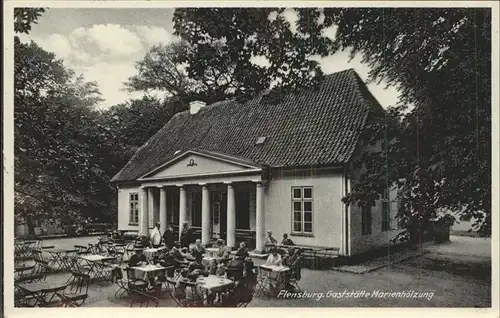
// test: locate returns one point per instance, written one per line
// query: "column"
(182, 208)
(163, 209)
(151, 207)
(231, 217)
(259, 218)
(144, 218)
(205, 214)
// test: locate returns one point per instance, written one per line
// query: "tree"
(135, 121)
(164, 69)
(440, 60)
(60, 143)
(235, 36)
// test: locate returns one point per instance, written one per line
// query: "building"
(230, 168)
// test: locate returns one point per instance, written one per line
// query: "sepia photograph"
(258, 156)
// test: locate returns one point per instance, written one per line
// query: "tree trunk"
(31, 226)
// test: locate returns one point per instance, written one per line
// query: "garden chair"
(176, 294)
(78, 290)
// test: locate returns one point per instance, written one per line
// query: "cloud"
(105, 53)
(153, 35)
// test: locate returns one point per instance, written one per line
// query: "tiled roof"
(310, 127)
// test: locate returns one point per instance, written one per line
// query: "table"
(272, 277)
(40, 292)
(147, 271)
(213, 286)
(150, 253)
(59, 258)
(96, 264)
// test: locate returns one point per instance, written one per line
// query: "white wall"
(360, 243)
(327, 208)
(124, 204)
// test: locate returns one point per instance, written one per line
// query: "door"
(215, 219)
(218, 215)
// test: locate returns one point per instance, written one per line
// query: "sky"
(103, 44)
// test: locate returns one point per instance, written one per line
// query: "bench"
(316, 257)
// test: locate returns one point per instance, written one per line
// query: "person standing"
(169, 237)
(186, 235)
(156, 236)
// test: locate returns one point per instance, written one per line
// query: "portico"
(220, 197)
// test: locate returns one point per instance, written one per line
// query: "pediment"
(192, 163)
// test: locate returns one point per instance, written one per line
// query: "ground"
(458, 273)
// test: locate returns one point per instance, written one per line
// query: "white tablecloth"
(147, 271)
(214, 283)
(152, 252)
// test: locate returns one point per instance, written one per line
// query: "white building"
(232, 168)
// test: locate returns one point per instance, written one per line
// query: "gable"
(196, 164)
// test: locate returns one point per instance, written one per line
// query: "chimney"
(195, 106)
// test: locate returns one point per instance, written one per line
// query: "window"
(302, 210)
(196, 210)
(134, 208)
(386, 211)
(366, 220)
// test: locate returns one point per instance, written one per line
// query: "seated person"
(286, 240)
(243, 289)
(290, 259)
(274, 258)
(242, 250)
(197, 250)
(194, 267)
(270, 241)
(178, 257)
(236, 266)
(223, 251)
(138, 258)
(180, 285)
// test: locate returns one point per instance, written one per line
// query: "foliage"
(438, 137)
(24, 17)
(60, 144)
(135, 121)
(222, 37)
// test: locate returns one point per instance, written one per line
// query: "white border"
(8, 161)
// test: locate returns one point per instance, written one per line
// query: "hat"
(220, 241)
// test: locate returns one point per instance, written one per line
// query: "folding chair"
(78, 290)
(134, 283)
(295, 276)
(263, 283)
(39, 272)
(54, 300)
(193, 297)
(177, 294)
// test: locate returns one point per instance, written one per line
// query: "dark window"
(196, 210)
(242, 210)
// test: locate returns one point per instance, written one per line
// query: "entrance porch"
(233, 211)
